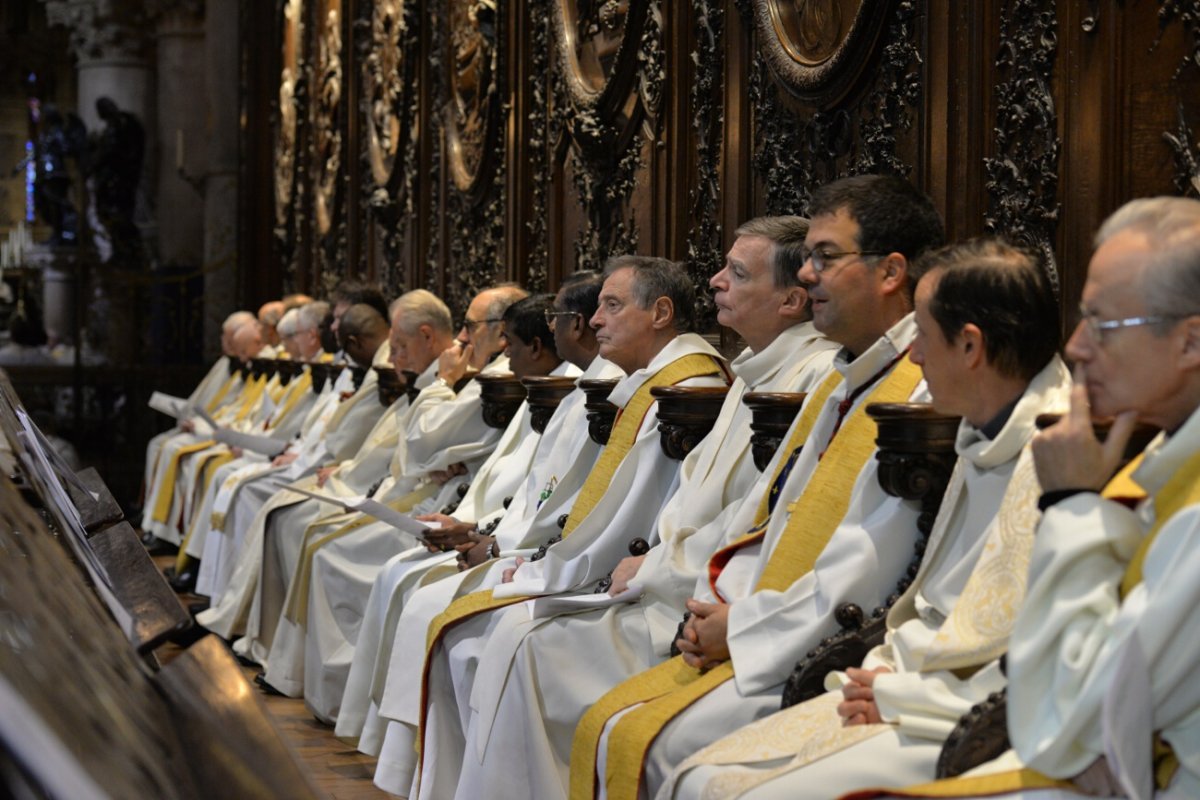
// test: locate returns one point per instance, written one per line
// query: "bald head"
(247, 341)
(230, 326)
(269, 315)
(482, 328)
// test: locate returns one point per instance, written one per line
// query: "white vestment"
(525, 711)
(639, 488)
(441, 428)
(942, 641)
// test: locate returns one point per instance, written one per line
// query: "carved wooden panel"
(459, 142)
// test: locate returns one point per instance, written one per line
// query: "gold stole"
(297, 603)
(295, 391)
(620, 442)
(668, 689)
(212, 462)
(215, 403)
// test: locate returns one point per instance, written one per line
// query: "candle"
(179, 149)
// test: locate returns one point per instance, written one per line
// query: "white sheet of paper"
(1127, 719)
(249, 441)
(553, 604)
(374, 508)
(169, 404)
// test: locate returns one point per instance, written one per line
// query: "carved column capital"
(103, 29)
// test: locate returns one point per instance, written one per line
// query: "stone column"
(111, 42)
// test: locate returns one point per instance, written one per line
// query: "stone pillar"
(110, 40)
(222, 37)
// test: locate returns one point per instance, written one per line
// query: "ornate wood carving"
(916, 456)
(292, 106)
(387, 40)
(544, 395)
(540, 135)
(772, 416)
(704, 256)
(1182, 141)
(472, 98)
(686, 415)
(980, 735)
(837, 134)
(600, 412)
(326, 144)
(500, 397)
(1022, 173)
(609, 81)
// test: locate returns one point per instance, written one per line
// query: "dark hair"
(527, 319)
(892, 215)
(657, 277)
(352, 292)
(581, 293)
(1004, 291)
(786, 234)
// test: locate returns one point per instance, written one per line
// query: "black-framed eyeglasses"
(1097, 327)
(472, 324)
(822, 260)
(551, 316)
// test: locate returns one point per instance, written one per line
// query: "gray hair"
(1172, 286)
(658, 277)
(421, 307)
(289, 323)
(236, 320)
(786, 234)
(310, 316)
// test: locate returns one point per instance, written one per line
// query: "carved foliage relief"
(471, 92)
(1023, 170)
(608, 79)
(835, 92)
(290, 99)
(387, 38)
(327, 99)
(1182, 141)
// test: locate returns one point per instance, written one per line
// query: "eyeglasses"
(472, 324)
(1097, 327)
(551, 316)
(821, 258)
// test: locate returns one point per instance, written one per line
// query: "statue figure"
(63, 136)
(116, 168)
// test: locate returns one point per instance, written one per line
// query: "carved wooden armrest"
(388, 385)
(461, 491)
(500, 397)
(600, 412)
(685, 416)
(637, 547)
(980, 735)
(773, 414)
(916, 456)
(544, 394)
(541, 551)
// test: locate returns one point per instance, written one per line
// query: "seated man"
(818, 529)
(1101, 698)
(341, 582)
(532, 695)
(421, 330)
(564, 456)
(988, 329)
(444, 442)
(644, 311)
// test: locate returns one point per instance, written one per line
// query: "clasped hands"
(704, 643)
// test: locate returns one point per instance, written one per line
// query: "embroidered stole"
(668, 689)
(624, 433)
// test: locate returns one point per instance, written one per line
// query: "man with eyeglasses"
(564, 456)
(642, 324)
(616, 634)
(1102, 692)
(816, 530)
(443, 441)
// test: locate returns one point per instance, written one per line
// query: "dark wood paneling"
(709, 125)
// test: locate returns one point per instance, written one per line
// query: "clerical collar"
(991, 429)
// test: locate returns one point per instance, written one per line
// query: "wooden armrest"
(139, 587)
(233, 750)
(499, 397)
(685, 416)
(980, 735)
(846, 648)
(544, 394)
(600, 413)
